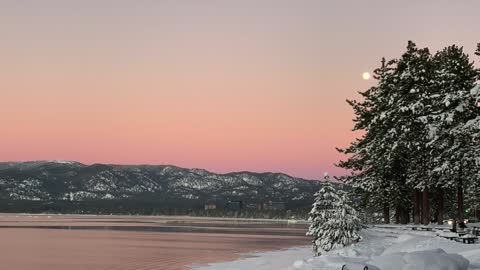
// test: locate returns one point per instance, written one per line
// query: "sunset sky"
(220, 85)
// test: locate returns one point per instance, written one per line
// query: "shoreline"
(380, 248)
(250, 257)
(260, 220)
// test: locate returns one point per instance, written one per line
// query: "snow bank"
(436, 259)
(386, 249)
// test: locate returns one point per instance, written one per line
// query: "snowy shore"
(385, 249)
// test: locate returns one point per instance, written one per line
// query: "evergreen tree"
(452, 128)
(334, 222)
(383, 158)
(472, 197)
(421, 135)
(472, 128)
(369, 177)
(411, 87)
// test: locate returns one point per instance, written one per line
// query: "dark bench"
(354, 267)
(449, 237)
(468, 240)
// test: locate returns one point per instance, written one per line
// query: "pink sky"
(225, 87)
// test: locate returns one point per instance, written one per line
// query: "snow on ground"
(384, 249)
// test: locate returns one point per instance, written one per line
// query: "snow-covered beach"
(380, 248)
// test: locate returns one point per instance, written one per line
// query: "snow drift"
(383, 249)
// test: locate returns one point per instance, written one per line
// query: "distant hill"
(35, 185)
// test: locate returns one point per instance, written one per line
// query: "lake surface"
(70, 242)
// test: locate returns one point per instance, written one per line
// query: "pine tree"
(421, 126)
(369, 179)
(384, 157)
(472, 128)
(334, 222)
(411, 84)
(452, 133)
(472, 196)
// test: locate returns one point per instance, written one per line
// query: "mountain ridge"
(153, 165)
(164, 186)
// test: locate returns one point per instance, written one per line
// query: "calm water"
(122, 242)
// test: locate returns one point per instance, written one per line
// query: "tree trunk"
(386, 214)
(460, 201)
(426, 208)
(416, 207)
(397, 215)
(404, 215)
(440, 206)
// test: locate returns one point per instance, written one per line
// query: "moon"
(366, 75)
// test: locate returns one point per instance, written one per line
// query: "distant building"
(234, 205)
(274, 205)
(210, 205)
(254, 206)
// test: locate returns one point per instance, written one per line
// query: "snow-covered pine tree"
(451, 122)
(478, 49)
(472, 127)
(369, 179)
(421, 132)
(334, 222)
(393, 143)
(472, 196)
(406, 140)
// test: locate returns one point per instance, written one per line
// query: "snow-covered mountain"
(49, 181)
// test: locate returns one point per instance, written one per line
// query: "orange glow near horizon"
(220, 87)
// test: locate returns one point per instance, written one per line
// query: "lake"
(70, 242)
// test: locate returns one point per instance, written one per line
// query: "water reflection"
(171, 229)
(123, 242)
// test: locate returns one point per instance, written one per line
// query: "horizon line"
(64, 161)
